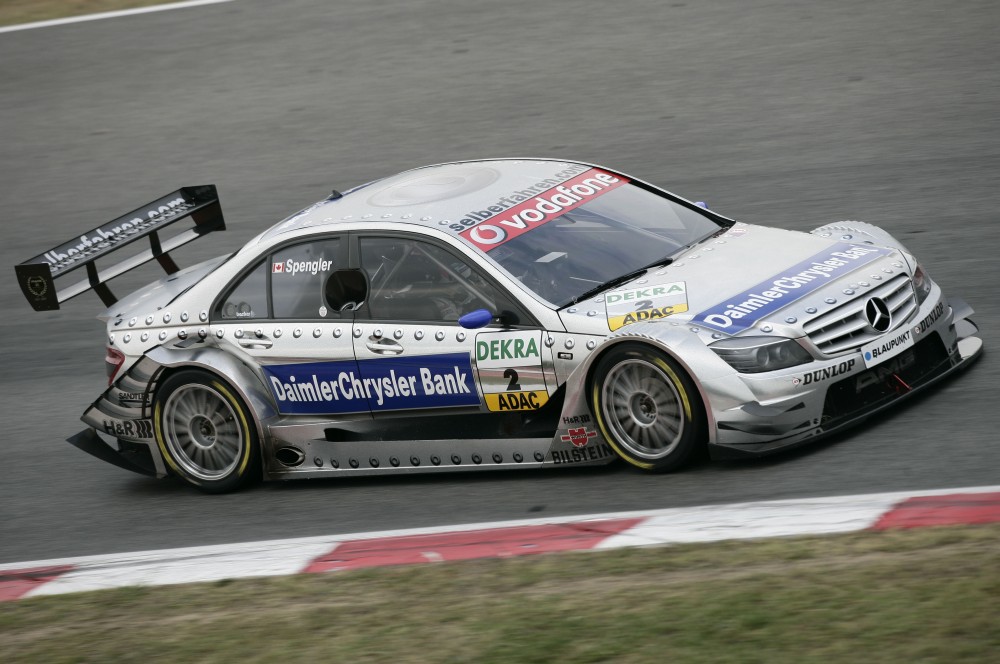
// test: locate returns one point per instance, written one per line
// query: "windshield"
(612, 233)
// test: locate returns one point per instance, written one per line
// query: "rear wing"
(37, 276)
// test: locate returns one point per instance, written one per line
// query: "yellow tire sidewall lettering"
(608, 437)
(243, 422)
(165, 452)
(677, 385)
(158, 430)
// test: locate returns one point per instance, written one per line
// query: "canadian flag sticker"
(277, 267)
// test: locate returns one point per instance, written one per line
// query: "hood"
(748, 278)
(158, 294)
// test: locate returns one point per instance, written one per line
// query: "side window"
(298, 279)
(413, 280)
(249, 298)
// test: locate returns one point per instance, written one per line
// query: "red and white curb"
(810, 516)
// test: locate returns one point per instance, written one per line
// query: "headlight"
(759, 354)
(921, 284)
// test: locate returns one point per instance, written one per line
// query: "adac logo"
(578, 437)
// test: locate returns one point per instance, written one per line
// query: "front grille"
(884, 382)
(845, 328)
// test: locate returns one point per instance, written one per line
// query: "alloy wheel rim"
(202, 432)
(643, 409)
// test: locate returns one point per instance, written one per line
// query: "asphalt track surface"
(790, 113)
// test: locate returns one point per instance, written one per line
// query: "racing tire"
(647, 407)
(205, 432)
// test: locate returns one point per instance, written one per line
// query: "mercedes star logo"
(878, 315)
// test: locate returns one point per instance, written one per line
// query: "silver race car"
(495, 314)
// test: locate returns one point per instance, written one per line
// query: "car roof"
(434, 196)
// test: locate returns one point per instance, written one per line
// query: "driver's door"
(417, 360)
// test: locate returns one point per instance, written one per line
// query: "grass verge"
(13, 12)
(928, 595)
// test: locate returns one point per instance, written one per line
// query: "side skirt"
(322, 458)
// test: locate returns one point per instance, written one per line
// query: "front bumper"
(752, 429)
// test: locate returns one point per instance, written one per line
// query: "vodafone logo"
(541, 209)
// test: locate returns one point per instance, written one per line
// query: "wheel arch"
(680, 346)
(236, 374)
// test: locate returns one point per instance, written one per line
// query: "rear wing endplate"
(37, 276)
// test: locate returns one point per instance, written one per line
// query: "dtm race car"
(494, 314)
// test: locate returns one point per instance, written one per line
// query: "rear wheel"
(205, 432)
(647, 407)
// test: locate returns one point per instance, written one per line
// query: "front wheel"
(647, 407)
(205, 432)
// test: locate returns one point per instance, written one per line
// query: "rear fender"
(248, 383)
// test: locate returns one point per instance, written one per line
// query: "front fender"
(859, 232)
(681, 341)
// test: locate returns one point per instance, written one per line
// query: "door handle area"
(383, 346)
(253, 339)
(256, 343)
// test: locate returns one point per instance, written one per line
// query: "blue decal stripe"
(317, 388)
(742, 311)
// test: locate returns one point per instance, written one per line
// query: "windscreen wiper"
(617, 281)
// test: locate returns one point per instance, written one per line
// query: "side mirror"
(476, 319)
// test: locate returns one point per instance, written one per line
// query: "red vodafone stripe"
(545, 207)
(950, 510)
(16, 583)
(488, 543)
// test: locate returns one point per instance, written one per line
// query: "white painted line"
(274, 559)
(114, 14)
